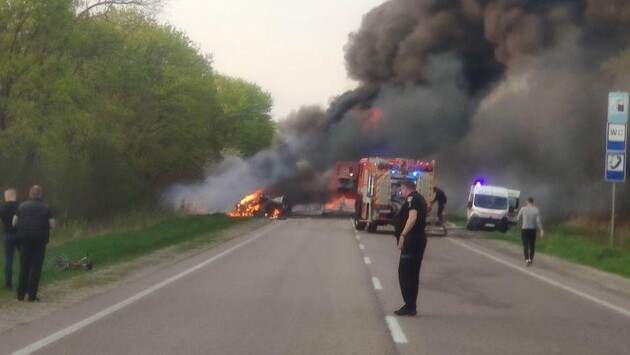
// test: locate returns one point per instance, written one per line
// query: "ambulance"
(491, 207)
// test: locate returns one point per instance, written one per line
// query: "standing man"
(10, 234)
(440, 198)
(412, 241)
(34, 221)
(531, 219)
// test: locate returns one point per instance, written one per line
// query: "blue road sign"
(615, 167)
(618, 107)
(616, 138)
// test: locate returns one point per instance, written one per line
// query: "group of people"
(412, 240)
(27, 228)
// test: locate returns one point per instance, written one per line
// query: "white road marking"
(358, 237)
(594, 299)
(361, 246)
(367, 260)
(377, 284)
(98, 316)
(394, 328)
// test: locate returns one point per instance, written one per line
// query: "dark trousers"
(31, 260)
(409, 274)
(440, 211)
(10, 245)
(528, 236)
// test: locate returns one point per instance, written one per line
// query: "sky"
(292, 49)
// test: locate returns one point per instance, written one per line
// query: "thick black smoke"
(512, 90)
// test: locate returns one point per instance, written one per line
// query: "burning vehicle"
(259, 204)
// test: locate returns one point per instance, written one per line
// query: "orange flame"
(373, 118)
(249, 205)
(252, 205)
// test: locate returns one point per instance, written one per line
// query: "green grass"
(119, 246)
(586, 246)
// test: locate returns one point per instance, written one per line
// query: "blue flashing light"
(416, 173)
(480, 181)
(393, 171)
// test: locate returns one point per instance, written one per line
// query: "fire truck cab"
(378, 188)
(343, 188)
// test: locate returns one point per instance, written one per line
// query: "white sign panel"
(616, 167)
(617, 132)
(616, 162)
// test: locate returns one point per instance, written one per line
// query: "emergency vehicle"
(343, 188)
(379, 196)
(491, 207)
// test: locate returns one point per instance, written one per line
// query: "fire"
(257, 204)
(249, 205)
(373, 118)
(370, 117)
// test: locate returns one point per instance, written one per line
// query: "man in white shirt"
(531, 220)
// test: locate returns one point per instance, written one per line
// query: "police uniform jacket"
(414, 201)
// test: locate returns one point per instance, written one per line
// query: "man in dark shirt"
(10, 234)
(34, 221)
(412, 241)
(440, 198)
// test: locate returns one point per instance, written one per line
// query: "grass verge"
(115, 247)
(577, 244)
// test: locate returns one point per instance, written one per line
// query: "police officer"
(34, 221)
(412, 241)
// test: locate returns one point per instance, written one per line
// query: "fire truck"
(343, 187)
(379, 196)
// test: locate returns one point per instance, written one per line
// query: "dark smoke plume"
(512, 90)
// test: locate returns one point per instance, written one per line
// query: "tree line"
(105, 106)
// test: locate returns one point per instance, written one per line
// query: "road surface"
(317, 286)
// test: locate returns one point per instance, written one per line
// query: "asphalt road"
(315, 286)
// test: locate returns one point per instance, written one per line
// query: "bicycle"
(435, 227)
(60, 262)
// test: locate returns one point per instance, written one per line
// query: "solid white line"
(361, 246)
(394, 328)
(594, 299)
(98, 316)
(367, 260)
(377, 284)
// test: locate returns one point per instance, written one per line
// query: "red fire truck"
(378, 189)
(343, 188)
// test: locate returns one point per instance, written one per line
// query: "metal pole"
(612, 220)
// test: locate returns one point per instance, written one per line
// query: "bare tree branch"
(88, 8)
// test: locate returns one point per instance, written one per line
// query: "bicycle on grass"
(60, 262)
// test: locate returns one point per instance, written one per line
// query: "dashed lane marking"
(367, 260)
(361, 246)
(377, 284)
(394, 328)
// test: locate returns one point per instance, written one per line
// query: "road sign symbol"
(618, 107)
(616, 137)
(615, 162)
(615, 167)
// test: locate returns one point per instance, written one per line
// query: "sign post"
(616, 142)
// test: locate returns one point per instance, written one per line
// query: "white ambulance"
(491, 207)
